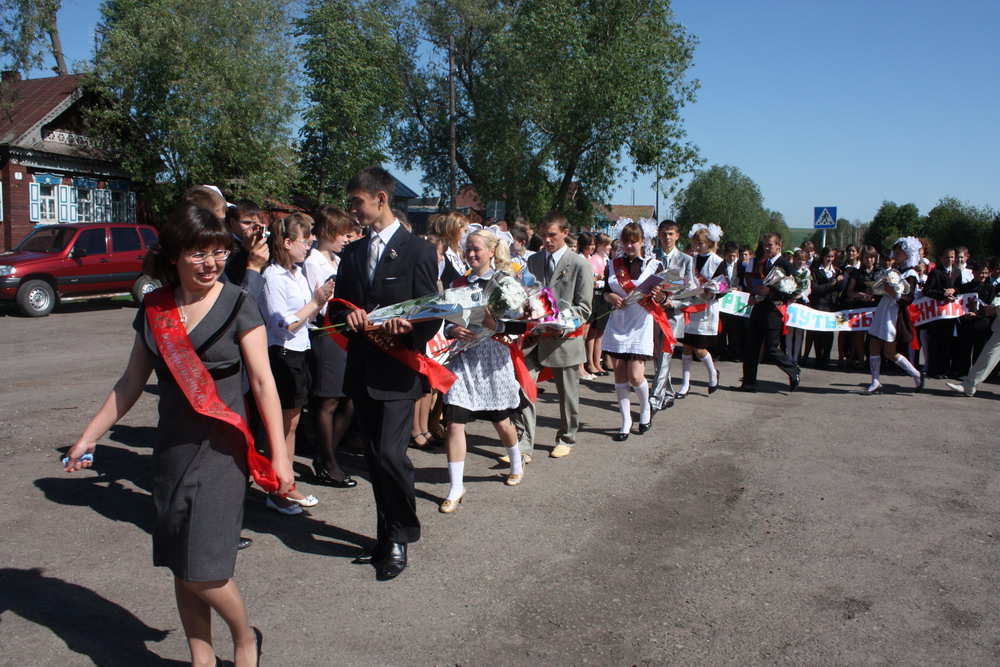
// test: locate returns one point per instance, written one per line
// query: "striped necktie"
(374, 252)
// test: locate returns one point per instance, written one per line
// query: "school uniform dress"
(891, 319)
(485, 386)
(629, 333)
(702, 326)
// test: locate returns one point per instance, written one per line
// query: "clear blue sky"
(844, 103)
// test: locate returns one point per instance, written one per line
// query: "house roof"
(403, 192)
(36, 102)
(617, 211)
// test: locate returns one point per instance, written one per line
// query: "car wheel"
(36, 298)
(143, 286)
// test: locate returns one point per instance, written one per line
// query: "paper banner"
(854, 319)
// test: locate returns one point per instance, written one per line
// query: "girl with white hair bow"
(703, 326)
(891, 326)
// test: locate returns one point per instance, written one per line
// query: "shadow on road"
(81, 618)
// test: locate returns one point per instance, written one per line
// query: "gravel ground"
(816, 528)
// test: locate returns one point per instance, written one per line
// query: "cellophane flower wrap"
(794, 285)
(892, 278)
(672, 280)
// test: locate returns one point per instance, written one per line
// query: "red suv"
(74, 261)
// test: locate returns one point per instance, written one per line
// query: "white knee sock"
(624, 405)
(905, 364)
(875, 364)
(685, 374)
(456, 471)
(713, 379)
(515, 460)
(645, 411)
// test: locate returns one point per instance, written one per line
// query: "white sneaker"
(961, 389)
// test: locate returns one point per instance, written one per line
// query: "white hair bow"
(714, 231)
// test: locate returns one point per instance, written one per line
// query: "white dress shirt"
(285, 293)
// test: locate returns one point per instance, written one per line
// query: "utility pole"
(657, 213)
(451, 112)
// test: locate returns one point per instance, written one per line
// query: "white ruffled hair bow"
(714, 231)
(911, 246)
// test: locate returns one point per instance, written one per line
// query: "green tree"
(28, 33)
(952, 223)
(197, 91)
(554, 97)
(842, 236)
(727, 197)
(351, 64)
(892, 222)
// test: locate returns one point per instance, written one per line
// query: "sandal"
(419, 445)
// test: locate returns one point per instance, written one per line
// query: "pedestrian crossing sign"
(825, 217)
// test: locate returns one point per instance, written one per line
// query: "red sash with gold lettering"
(438, 376)
(653, 308)
(195, 381)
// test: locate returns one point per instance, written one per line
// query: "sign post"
(824, 217)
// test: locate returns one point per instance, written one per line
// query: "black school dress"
(199, 463)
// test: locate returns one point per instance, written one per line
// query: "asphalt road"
(819, 528)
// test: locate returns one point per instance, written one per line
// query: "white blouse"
(285, 293)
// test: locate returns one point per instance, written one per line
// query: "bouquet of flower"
(891, 278)
(794, 285)
(713, 287)
(671, 279)
(541, 305)
(561, 325)
(505, 296)
(459, 305)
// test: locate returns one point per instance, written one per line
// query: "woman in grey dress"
(199, 462)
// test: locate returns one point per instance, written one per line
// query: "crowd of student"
(269, 318)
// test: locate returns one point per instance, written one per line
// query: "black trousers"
(385, 428)
(765, 329)
(733, 333)
(941, 346)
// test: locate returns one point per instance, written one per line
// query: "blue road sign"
(825, 217)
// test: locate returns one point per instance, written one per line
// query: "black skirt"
(459, 415)
(699, 341)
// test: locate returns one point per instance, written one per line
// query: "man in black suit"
(388, 266)
(942, 284)
(731, 340)
(766, 322)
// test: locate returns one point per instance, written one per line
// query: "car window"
(46, 239)
(124, 239)
(93, 241)
(148, 236)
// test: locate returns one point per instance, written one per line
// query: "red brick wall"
(15, 204)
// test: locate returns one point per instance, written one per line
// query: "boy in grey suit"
(571, 279)
(672, 258)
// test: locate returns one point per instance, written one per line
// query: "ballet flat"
(449, 506)
(620, 437)
(678, 396)
(644, 428)
(308, 501)
(872, 392)
(289, 510)
(718, 383)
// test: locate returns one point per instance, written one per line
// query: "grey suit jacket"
(572, 283)
(684, 263)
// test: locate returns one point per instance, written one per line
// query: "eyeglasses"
(200, 257)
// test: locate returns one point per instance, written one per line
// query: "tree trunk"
(57, 51)
(567, 182)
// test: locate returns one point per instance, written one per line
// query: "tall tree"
(197, 91)
(555, 97)
(351, 63)
(28, 32)
(952, 223)
(725, 196)
(891, 222)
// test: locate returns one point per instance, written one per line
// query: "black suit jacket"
(765, 268)
(938, 281)
(824, 292)
(407, 269)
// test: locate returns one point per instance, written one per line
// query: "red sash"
(653, 308)
(783, 309)
(438, 376)
(195, 381)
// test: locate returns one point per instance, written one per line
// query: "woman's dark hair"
(632, 233)
(190, 227)
(825, 252)
(584, 241)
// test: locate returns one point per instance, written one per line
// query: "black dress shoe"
(748, 388)
(243, 543)
(620, 437)
(793, 382)
(324, 477)
(920, 385)
(643, 428)
(393, 564)
(373, 555)
(718, 383)
(669, 403)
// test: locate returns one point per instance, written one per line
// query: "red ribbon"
(521, 371)
(783, 309)
(914, 314)
(653, 308)
(438, 376)
(196, 382)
